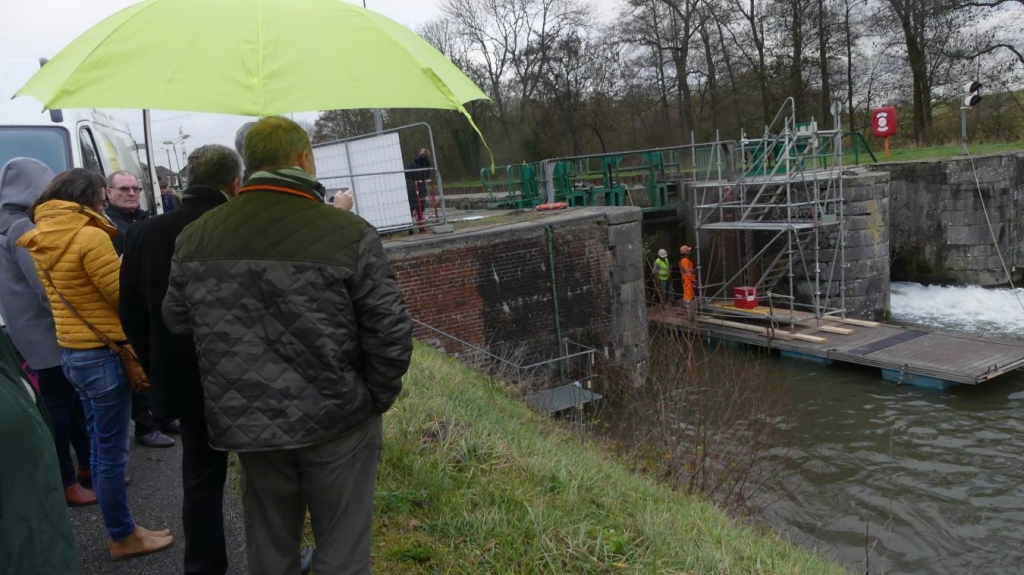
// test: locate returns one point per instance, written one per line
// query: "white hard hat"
(662, 254)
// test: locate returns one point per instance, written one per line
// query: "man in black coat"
(170, 360)
(124, 210)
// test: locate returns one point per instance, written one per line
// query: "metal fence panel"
(389, 192)
(380, 194)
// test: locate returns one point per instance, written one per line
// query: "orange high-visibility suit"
(689, 277)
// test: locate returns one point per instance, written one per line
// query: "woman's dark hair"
(83, 187)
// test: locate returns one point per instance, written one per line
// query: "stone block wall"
(938, 232)
(866, 237)
(493, 287)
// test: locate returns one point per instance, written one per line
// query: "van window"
(48, 145)
(90, 159)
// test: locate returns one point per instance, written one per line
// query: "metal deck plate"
(561, 398)
(887, 342)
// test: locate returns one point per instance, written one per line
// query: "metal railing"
(609, 178)
(573, 362)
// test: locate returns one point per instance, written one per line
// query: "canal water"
(903, 480)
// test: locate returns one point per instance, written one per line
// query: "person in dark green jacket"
(302, 339)
(35, 528)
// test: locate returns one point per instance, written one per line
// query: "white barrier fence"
(389, 192)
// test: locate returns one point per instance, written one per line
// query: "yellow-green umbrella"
(250, 57)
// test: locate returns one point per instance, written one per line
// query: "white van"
(63, 139)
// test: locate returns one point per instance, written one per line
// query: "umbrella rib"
(259, 56)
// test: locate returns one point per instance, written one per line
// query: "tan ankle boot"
(139, 543)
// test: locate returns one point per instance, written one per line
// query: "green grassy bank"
(472, 481)
(909, 154)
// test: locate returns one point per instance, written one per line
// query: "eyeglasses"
(126, 189)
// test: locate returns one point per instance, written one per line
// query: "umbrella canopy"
(250, 57)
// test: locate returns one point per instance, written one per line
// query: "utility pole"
(170, 166)
(184, 154)
(971, 99)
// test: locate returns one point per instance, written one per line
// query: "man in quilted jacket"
(302, 338)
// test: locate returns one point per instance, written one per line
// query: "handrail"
(855, 136)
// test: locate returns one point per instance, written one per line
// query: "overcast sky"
(40, 28)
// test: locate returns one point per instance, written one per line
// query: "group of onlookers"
(268, 323)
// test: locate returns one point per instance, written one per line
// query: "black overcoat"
(169, 360)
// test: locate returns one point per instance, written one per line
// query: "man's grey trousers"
(336, 479)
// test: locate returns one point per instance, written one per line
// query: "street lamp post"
(174, 144)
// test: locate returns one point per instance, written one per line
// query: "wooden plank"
(735, 324)
(759, 310)
(805, 337)
(857, 322)
(833, 329)
(765, 331)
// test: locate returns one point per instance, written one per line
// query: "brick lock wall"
(493, 288)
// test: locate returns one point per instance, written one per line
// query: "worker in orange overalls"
(688, 273)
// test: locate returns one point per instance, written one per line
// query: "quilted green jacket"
(300, 329)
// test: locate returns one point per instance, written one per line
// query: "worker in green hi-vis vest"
(35, 527)
(663, 273)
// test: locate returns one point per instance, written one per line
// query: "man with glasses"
(123, 209)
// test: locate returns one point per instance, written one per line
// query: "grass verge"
(472, 481)
(932, 152)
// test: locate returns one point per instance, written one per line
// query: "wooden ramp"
(910, 355)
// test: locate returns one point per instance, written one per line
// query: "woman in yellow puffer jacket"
(71, 241)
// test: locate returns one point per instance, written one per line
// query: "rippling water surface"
(903, 480)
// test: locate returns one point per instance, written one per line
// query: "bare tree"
(852, 13)
(923, 23)
(825, 25)
(338, 124)
(753, 12)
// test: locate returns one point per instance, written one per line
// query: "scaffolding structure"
(779, 225)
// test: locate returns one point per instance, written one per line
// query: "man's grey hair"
(240, 137)
(110, 178)
(213, 165)
(274, 142)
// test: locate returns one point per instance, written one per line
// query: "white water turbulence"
(986, 311)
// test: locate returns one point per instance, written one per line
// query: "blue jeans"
(99, 377)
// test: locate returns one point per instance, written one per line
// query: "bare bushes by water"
(705, 421)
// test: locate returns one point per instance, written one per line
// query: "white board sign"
(372, 168)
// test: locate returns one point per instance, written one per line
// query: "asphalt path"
(155, 501)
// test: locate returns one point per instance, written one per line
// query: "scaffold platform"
(916, 356)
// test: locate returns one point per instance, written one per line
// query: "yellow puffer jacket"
(74, 244)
